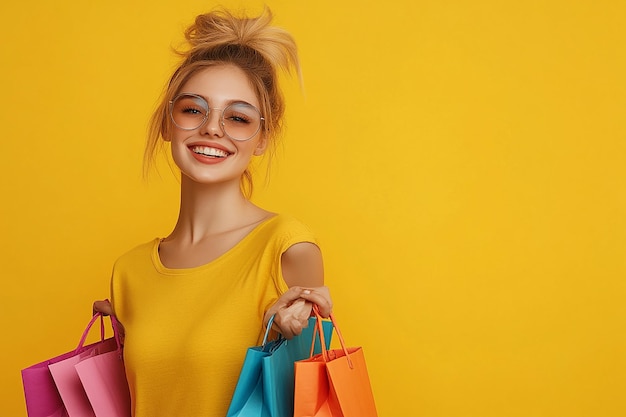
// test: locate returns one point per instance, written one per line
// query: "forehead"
(221, 84)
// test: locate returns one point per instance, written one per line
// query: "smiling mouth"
(210, 152)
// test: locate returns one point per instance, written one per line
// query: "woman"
(193, 302)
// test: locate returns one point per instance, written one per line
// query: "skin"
(214, 214)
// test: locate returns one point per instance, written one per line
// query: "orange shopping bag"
(334, 383)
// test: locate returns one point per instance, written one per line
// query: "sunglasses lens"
(189, 112)
(241, 121)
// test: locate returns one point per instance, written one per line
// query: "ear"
(261, 146)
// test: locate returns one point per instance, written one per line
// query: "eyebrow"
(228, 103)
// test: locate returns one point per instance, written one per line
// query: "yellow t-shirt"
(187, 330)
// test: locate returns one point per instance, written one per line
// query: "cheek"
(176, 157)
(175, 135)
(247, 151)
(176, 148)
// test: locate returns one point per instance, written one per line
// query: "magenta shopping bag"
(40, 392)
(54, 388)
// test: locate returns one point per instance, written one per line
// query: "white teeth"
(207, 151)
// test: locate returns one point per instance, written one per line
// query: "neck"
(207, 209)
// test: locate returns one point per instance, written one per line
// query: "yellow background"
(461, 162)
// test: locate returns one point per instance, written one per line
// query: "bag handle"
(320, 330)
(116, 332)
(114, 324)
(95, 317)
(268, 328)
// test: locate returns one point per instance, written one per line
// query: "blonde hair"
(253, 45)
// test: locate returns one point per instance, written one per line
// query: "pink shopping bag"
(104, 380)
(69, 384)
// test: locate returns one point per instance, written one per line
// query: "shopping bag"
(334, 383)
(40, 392)
(103, 379)
(265, 385)
(67, 380)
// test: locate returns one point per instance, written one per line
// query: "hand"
(103, 306)
(293, 309)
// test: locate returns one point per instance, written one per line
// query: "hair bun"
(221, 28)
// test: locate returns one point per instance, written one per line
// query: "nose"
(213, 124)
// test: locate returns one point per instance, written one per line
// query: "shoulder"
(281, 232)
(141, 252)
(289, 229)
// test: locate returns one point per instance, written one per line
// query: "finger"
(289, 296)
(321, 298)
(287, 332)
(299, 310)
(293, 328)
(286, 299)
(291, 320)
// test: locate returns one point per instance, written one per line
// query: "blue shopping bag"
(266, 381)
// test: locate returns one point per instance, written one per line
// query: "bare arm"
(303, 271)
(302, 266)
